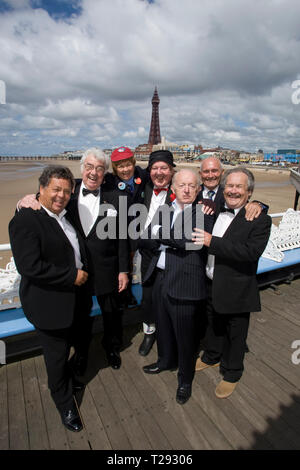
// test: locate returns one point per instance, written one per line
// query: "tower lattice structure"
(154, 134)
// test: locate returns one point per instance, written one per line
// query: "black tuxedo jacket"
(141, 178)
(108, 257)
(184, 262)
(45, 259)
(219, 197)
(234, 286)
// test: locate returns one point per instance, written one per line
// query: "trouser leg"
(56, 347)
(232, 361)
(166, 340)
(213, 343)
(112, 322)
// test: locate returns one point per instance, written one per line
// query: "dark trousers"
(176, 331)
(112, 321)
(56, 346)
(147, 308)
(225, 341)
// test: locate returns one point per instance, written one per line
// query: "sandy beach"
(20, 178)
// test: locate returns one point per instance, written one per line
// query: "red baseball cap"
(121, 153)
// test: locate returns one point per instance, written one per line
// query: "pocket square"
(112, 213)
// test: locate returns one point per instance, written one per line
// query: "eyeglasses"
(89, 167)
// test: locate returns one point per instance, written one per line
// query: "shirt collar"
(56, 216)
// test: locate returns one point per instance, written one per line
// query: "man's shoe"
(183, 394)
(79, 364)
(71, 419)
(114, 359)
(200, 365)
(77, 386)
(155, 369)
(224, 389)
(147, 344)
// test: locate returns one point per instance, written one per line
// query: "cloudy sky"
(81, 73)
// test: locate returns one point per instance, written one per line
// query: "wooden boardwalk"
(127, 409)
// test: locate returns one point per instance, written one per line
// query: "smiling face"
(125, 169)
(236, 191)
(161, 174)
(56, 195)
(211, 172)
(92, 172)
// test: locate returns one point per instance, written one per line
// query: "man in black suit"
(92, 203)
(51, 258)
(211, 190)
(157, 192)
(234, 249)
(108, 253)
(178, 273)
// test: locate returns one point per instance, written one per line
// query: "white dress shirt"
(161, 263)
(70, 233)
(222, 223)
(156, 202)
(205, 192)
(88, 209)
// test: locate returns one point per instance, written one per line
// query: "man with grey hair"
(108, 257)
(234, 248)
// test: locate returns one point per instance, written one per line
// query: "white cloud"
(224, 71)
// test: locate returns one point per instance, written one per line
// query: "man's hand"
(29, 201)
(209, 207)
(81, 278)
(253, 210)
(123, 281)
(200, 237)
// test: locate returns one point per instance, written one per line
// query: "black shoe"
(79, 364)
(183, 394)
(147, 344)
(114, 359)
(71, 419)
(77, 386)
(155, 369)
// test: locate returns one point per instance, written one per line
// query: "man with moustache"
(211, 191)
(178, 273)
(108, 257)
(234, 248)
(157, 192)
(50, 255)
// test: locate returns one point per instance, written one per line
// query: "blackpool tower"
(154, 134)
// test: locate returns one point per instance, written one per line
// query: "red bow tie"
(158, 190)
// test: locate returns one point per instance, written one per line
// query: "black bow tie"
(89, 191)
(226, 209)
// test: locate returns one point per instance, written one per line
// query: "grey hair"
(98, 154)
(190, 171)
(240, 169)
(212, 157)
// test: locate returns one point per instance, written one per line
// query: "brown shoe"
(224, 389)
(200, 365)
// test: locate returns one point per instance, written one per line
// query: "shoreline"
(272, 187)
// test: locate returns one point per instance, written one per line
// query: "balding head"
(185, 185)
(211, 172)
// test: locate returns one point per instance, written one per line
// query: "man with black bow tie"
(234, 248)
(108, 257)
(51, 257)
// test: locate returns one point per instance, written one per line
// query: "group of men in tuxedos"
(63, 262)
